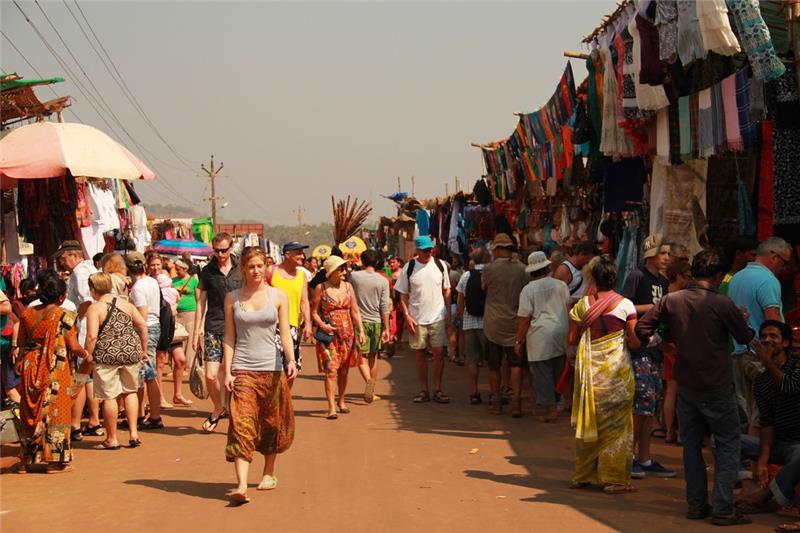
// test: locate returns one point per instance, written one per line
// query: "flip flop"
(106, 446)
(343, 410)
(210, 423)
(182, 402)
(422, 397)
(237, 498)
(332, 416)
(134, 443)
(270, 483)
(440, 397)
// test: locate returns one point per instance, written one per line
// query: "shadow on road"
(199, 489)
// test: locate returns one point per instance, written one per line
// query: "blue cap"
(293, 245)
(423, 242)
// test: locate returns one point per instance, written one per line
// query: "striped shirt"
(779, 405)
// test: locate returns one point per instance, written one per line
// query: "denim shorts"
(213, 348)
(147, 372)
(647, 396)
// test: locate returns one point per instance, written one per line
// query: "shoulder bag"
(197, 376)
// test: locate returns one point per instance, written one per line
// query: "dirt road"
(390, 466)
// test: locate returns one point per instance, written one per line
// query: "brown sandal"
(618, 488)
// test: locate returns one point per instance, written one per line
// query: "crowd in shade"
(689, 351)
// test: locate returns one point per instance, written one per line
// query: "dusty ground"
(389, 466)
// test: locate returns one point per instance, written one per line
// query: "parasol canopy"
(177, 247)
(49, 149)
(354, 245)
(321, 252)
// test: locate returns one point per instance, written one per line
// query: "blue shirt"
(756, 288)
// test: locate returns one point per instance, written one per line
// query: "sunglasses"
(222, 250)
(784, 259)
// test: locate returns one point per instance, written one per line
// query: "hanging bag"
(197, 376)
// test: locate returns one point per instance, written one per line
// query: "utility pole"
(300, 213)
(212, 174)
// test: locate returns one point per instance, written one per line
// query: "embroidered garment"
(667, 24)
(755, 39)
(613, 140)
(733, 135)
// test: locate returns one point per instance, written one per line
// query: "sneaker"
(657, 469)
(637, 472)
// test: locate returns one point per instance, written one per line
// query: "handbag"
(324, 338)
(181, 333)
(9, 426)
(197, 377)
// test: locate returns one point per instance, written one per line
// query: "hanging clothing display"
(141, 236)
(715, 28)
(613, 140)
(690, 38)
(755, 39)
(684, 186)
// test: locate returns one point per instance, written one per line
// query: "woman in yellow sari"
(604, 383)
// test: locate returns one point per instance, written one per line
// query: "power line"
(245, 195)
(14, 46)
(87, 93)
(136, 103)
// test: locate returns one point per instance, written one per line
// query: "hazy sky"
(307, 100)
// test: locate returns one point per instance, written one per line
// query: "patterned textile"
(118, 344)
(343, 351)
(613, 140)
(706, 123)
(755, 39)
(787, 177)
(648, 97)
(667, 23)
(261, 415)
(45, 374)
(747, 128)
(603, 401)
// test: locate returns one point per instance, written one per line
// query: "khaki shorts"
(111, 381)
(433, 334)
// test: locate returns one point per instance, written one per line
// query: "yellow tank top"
(293, 289)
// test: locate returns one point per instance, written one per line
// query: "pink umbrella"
(49, 149)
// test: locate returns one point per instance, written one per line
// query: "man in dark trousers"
(698, 320)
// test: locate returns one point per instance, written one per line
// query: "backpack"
(474, 294)
(167, 322)
(410, 268)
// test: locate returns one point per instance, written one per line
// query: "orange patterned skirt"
(262, 416)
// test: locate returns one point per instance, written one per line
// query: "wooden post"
(399, 187)
(413, 186)
(446, 189)
(212, 174)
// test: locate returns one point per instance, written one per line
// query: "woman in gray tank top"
(261, 413)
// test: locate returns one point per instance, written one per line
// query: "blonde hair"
(101, 283)
(589, 285)
(113, 264)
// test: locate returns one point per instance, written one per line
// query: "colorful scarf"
(732, 134)
(685, 119)
(755, 39)
(718, 113)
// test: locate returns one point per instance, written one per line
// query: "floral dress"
(343, 351)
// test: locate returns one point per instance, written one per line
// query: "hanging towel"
(747, 225)
(733, 136)
(423, 222)
(706, 125)
(765, 184)
(747, 127)
(685, 119)
(662, 135)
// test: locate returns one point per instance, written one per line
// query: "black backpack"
(474, 295)
(167, 322)
(410, 268)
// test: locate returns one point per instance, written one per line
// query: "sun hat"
(423, 242)
(501, 240)
(651, 245)
(537, 261)
(332, 264)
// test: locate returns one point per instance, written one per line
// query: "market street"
(389, 466)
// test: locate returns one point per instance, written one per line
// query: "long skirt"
(262, 416)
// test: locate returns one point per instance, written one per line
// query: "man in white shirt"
(543, 327)
(424, 286)
(70, 256)
(146, 297)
